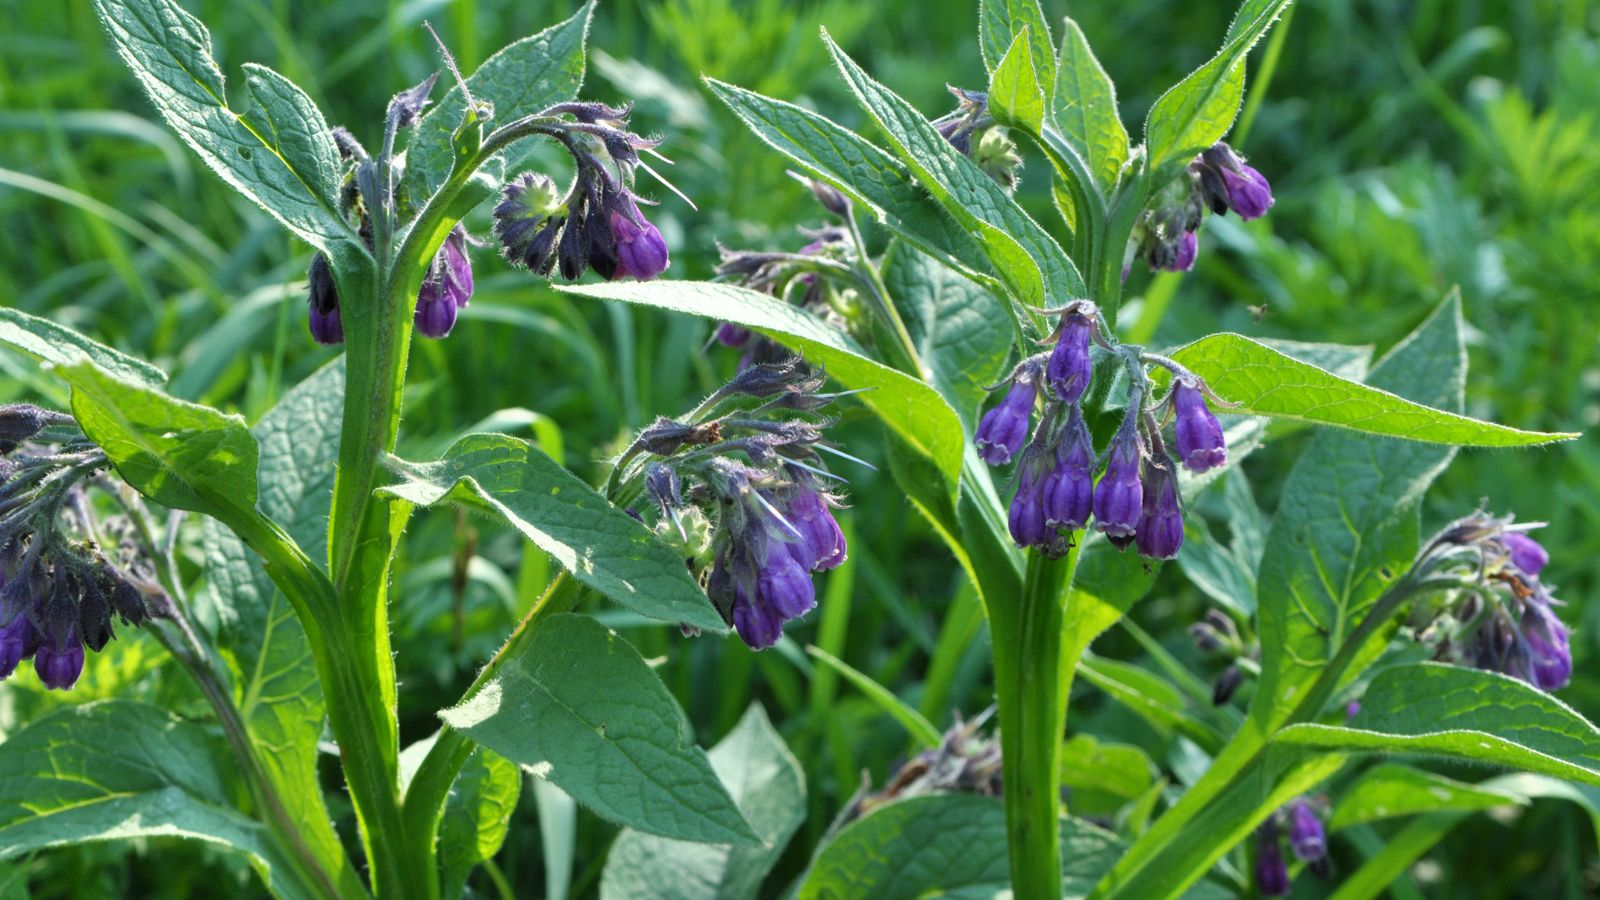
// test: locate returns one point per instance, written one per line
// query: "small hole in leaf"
(245, 153)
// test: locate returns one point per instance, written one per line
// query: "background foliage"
(1413, 146)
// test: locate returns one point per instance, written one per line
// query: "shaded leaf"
(48, 342)
(1391, 790)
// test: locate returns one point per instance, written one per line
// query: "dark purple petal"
(1069, 488)
(1004, 428)
(641, 251)
(1069, 370)
(59, 665)
(1272, 874)
(1119, 497)
(758, 625)
(784, 583)
(1527, 554)
(17, 641)
(1160, 531)
(1549, 648)
(1199, 435)
(1026, 518)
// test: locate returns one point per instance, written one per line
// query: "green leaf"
(580, 708)
(854, 165)
(1265, 382)
(525, 77)
(1031, 263)
(1093, 769)
(48, 342)
(1150, 697)
(1347, 520)
(602, 546)
(915, 724)
(1466, 714)
(181, 455)
(912, 409)
(477, 814)
(943, 845)
(1003, 23)
(1227, 573)
(275, 677)
(959, 328)
(1199, 110)
(1085, 109)
(118, 770)
(281, 155)
(1391, 790)
(1015, 97)
(765, 780)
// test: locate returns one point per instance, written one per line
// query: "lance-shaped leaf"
(1468, 714)
(1085, 109)
(181, 455)
(1265, 382)
(1199, 110)
(48, 342)
(1001, 23)
(602, 546)
(1391, 790)
(915, 411)
(1031, 263)
(765, 780)
(1347, 520)
(280, 154)
(525, 77)
(118, 770)
(856, 166)
(1016, 97)
(580, 708)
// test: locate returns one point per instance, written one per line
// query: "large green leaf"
(1016, 97)
(602, 546)
(765, 780)
(280, 155)
(48, 342)
(580, 708)
(1031, 263)
(851, 163)
(960, 329)
(1199, 110)
(117, 770)
(1265, 382)
(525, 77)
(1391, 790)
(1002, 22)
(275, 677)
(179, 454)
(1347, 521)
(477, 814)
(1468, 714)
(1085, 109)
(943, 845)
(915, 411)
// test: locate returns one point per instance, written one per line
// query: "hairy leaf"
(1001, 23)
(602, 546)
(1015, 95)
(477, 814)
(1085, 109)
(580, 708)
(48, 342)
(766, 781)
(1391, 790)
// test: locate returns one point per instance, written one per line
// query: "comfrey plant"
(1101, 447)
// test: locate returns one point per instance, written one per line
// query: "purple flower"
(822, 544)
(446, 288)
(1068, 370)
(784, 583)
(18, 641)
(1119, 497)
(1306, 837)
(1350, 710)
(1549, 650)
(731, 335)
(1004, 428)
(1526, 553)
(1069, 488)
(1272, 874)
(758, 625)
(1027, 518)
(641, 251)
(1160, 532)
(1228, 183)
(326, 326)
(1199, 435)
(59, 665)
(1184, 253)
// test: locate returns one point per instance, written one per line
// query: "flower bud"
(1178, 255)
(1160, 531)
(1003, 429)
(1228, 183)
(1069, 368)
(1526, 553)
(1069, 488)
(1272, 874)
(59, 663)
(326, 326)
(1227, 683)
(1199, 435)
(1549, 649)
(731, 335)
(572, 252)
(829, 196)
(1306, 837)
(996, 154)
(1119, 497)
(641, 251)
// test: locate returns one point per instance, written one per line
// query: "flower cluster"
(972, 130)
(802, 278)
(739, 484)
(1308, 841)
(1219, 180)
(964, 762)
(597, 223)
(1497, 613)
(1136, 499)
(59, 593)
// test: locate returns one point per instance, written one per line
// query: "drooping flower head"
(1119, 497)
(446, 288)
(1160, 529)
(1196, 431)
(1003, 429)
(1306, 836)
(326, 326)
(1069, 369)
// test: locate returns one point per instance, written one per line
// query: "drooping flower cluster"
(597, 224)
(740, 485)
(1502, 616)
(807, 278)
(1219, 180)
(1136, 498)
(59, 593)
(1308, 841)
